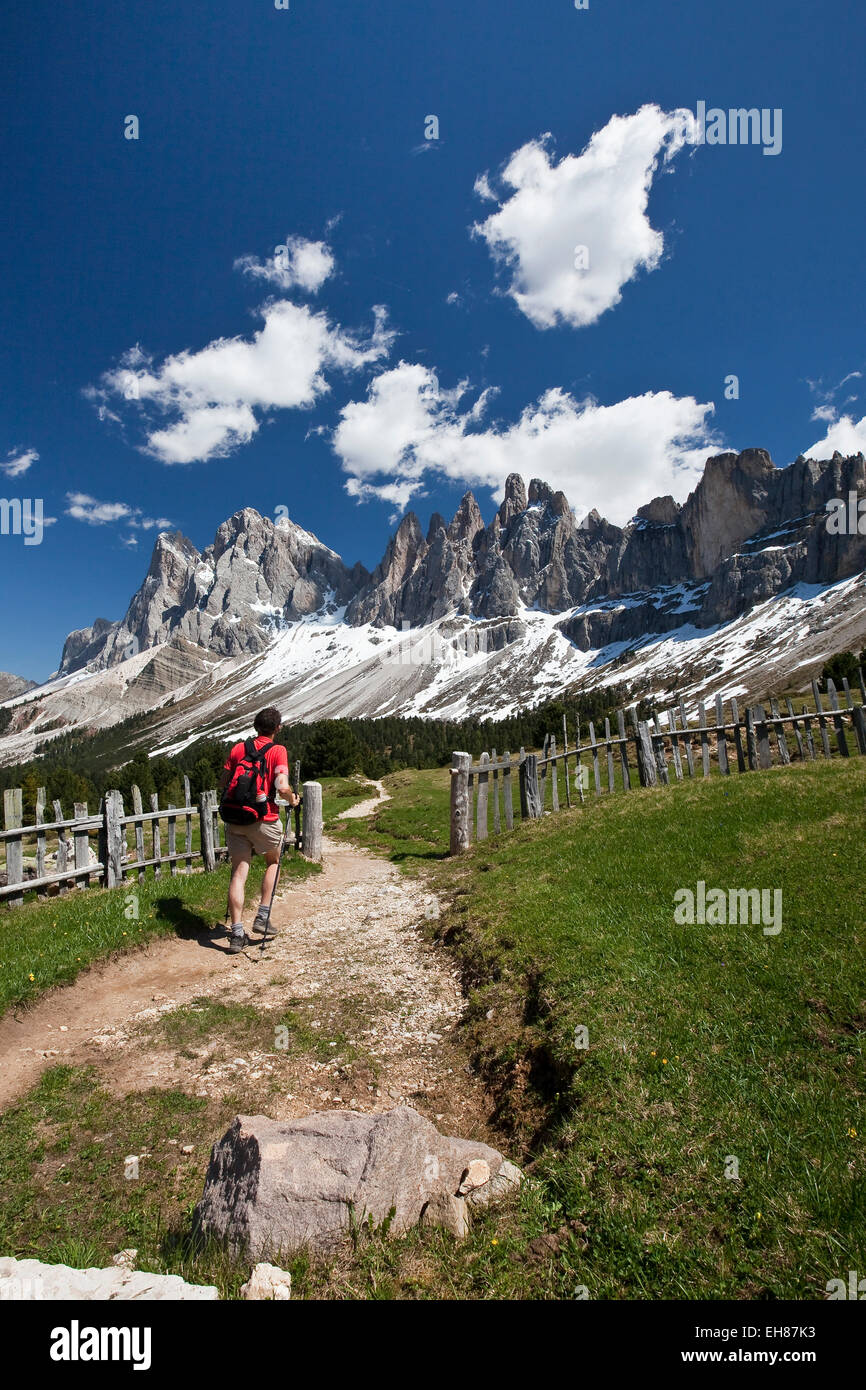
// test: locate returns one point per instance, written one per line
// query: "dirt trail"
(371, 1008)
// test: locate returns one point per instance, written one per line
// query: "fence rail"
(128, 843)
(657, 752)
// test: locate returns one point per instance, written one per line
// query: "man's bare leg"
(269, 879)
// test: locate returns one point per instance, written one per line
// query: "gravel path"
(372, 1007)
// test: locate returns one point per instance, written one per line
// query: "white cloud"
(596, 201)
(202, 405)
(16, 465)
(452, 298)
(296, 264)
(614, 458)
(83, 507)
(846, 434)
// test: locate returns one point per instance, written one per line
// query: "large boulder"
(274, 1186)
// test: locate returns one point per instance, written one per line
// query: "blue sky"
(392, 356)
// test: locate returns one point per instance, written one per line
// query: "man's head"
(267, 721)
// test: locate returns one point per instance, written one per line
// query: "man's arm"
(284, 786)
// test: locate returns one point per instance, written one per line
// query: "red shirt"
(277, 761)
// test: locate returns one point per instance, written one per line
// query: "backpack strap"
(256, 754)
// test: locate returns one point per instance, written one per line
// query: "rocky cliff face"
(747, 532)
(256, 577)
(10, 685)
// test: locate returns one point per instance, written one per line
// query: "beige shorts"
(262, 837)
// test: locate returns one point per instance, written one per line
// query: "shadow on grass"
(397, 856)
(188, 924)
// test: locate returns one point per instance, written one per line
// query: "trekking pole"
(266, 933)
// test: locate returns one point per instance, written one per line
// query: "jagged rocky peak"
(468, 521)
(662, 511)
(514, 500)
(11, 685)
(258, 575)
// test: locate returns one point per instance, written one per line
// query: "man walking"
(264, 834)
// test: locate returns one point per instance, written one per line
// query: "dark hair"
(267, 721)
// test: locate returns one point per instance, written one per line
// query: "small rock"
(125, 1259)
(268, 1282)
(476, 1175)
(187, 1148)
(507, 1180)
(449, 1212)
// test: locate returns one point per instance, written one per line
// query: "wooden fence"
(160, 839)
(654, 752)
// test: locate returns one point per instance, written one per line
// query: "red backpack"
(245, 799)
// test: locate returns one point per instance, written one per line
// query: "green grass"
(65, 1196)
(339, 793)
(233, 1026)
(413, 828)
(706, 1043)
(50, 943)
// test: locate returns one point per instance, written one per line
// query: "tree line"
(81, 767)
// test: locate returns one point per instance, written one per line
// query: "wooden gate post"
(530, 795)
(461, 809)
(111, 848)
(312, 823)
(13, 820)
(205, 824)
(646, 762)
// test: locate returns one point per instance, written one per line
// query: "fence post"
(705, 738)
(721, 743)
(660, 752)
(822, 722)
(312, 825)
(40, 838)
(762, 730)
(461, 808)
(687, 738)
(295, 784)
(530, 796)
(13, 816)
(205, 822)
(481, 808)
(111, 852)
(837, 720)
(738, 737)
(623, 751)
(751, 745)
(860, 726)
(81, 843)
(646, 763)
(62, 853)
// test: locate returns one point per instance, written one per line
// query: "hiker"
(255, 770)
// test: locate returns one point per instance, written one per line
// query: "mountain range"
(735, 590)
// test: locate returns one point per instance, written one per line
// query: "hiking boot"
(263, 924)
(237, 941)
